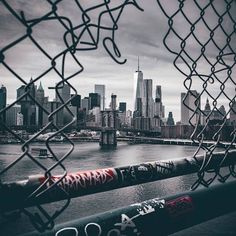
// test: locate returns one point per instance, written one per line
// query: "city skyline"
(140, 29)
(103, 102)
(154, 112)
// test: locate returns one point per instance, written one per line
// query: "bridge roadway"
(131, 130)
(143, 139)
(92, 128)
(152, 140)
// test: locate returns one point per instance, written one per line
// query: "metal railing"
(158, 216)
(100, 180)
(216, 53)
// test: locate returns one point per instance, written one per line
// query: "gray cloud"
(139, 34)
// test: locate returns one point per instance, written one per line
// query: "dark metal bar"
(156, 216)
(93, 181)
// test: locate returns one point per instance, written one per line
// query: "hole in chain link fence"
(194, 39)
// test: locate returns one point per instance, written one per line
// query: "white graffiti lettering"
(164, 168)
(91, 227)
(146, 210)
(149, 206)
(142, 168)
(73, 231)
(126, 226)
(125, 222)
(114, 232)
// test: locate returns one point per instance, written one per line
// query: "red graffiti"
(179, 206)
(85, 180)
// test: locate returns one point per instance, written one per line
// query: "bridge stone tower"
(109, 127)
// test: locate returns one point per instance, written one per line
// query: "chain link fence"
(74, 38)
(214, 42)
(207, 70)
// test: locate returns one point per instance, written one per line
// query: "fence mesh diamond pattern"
(193, 38)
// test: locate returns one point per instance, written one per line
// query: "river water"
(87, 156)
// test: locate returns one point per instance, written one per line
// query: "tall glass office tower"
(138, 86)
(192, 102)
(147, 99)
(100, 89)
(3, 102)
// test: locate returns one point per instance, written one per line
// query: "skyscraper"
(64, 92)
(32, 92)
(139, 111)
(162, 111)
(217, 115)
(233, 113)
(147, 98)
(138, 86)
(28, 107)
(100, 89)
(95, 100)
(122, 113)
(3, 102)
(63, 96)
(157, 114)
(40, 100)
(113, 102)
(193, 102)
(122, 106)
(206, 112)
(11, 115)
(158, 93)
(19, 92)
(170, 119)
(86, 104)
(29, 92)
(158, 111)
(157, 108)
(58, 118)
(76, 100)
(40, 94)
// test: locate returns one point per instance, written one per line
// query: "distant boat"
(41, 153)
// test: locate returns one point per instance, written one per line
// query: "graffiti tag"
(179, 206)
(164, 168)
(86, 180)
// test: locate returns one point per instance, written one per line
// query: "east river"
(88, 156)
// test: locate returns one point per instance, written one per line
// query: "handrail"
(40, 189)
(156, 216)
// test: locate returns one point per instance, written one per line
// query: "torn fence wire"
(208, 71)
(211, 64)
(82, 34)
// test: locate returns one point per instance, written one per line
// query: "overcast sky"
(139, 34)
